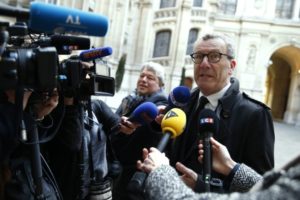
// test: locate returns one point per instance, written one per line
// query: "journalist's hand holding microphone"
(222, 162)
(126, 126)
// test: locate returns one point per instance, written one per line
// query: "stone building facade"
(266, 33)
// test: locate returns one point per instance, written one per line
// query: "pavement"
(287, 143)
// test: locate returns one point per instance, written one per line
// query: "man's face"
(147, 83)
(212, 77)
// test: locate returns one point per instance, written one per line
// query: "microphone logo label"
(207, 121)
(71, 20)
(171, 114)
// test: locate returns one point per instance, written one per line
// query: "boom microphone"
(49, 19)
(209, 124)
(178, 98)
(172, 126)
(143, 114)
(93, 54)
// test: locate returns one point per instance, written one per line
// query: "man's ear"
(232, 66)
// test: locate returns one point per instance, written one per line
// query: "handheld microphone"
(209, 124)
(93, 54)
(178, 98)
(143, 114)
(172, 126)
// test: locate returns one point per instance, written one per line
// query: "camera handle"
(36, 166)
(4, 37)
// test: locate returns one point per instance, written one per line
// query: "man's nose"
(205, 62)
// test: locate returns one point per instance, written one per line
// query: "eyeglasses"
(213, 57)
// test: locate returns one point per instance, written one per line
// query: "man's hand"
(189, 177)
(45, 108)
(127, 126)
(152, 160)
(222, 162)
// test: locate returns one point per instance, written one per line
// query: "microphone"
(59, 19)
(143, 114)
(93, 54)
(172, 126)
(178, 98)
(209, 124)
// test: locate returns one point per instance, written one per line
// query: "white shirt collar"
(213, 98)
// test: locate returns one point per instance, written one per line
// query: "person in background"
(188, 82)
(163, 182)
(127, 148)
(245, 125)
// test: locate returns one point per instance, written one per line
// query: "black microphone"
(209, 124)
(173, 124)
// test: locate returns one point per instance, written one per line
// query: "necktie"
(202, 102)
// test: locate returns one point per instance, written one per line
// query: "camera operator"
(77, 155)
(15, 155)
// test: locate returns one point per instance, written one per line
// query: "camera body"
(35, 64)
(33, 68)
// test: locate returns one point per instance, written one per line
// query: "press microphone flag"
(92, 54)
(208, 125)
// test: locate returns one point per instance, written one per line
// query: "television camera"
(30, 58)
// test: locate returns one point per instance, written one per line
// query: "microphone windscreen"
(179, 96)
(144, 113)
(174, 122)
(93, 54)
(208, 121)
(49, 18)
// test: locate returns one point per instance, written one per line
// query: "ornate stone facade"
(267, 42)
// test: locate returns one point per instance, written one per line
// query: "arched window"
(197, 3)
(227, 7)
(193, 35)
(162, 44)
(167, 3)
(284, 9)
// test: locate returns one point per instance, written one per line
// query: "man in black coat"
(246, 126)
(128, 148)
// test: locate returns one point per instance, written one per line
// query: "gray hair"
(228, 41)
(157, 69)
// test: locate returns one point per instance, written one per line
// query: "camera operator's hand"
(11, 97)
(127, 126)
(44, 108)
